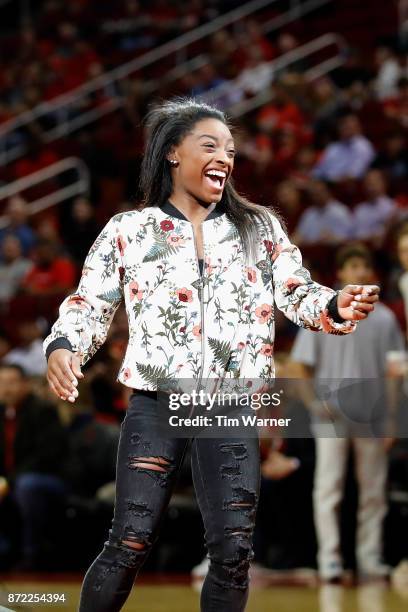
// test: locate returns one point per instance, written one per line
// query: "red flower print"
(263, 312)
(182, 329)
(121, 273)
(268, 245)
(251, 274)
(197, 331)
(292, 283)
(241, 345)
(78, 301)
(127, 373)
(273, 248)
(166, 225)
(121, 244)
(135, 291)
(266, 349)
(184, 294)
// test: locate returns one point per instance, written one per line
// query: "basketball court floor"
(176, 595)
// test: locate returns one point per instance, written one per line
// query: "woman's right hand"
(64, 369)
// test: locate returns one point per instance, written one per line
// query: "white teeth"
(217, 173)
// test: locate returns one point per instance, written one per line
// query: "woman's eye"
(231, 153)
(209, 144)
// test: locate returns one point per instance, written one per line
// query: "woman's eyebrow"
(214, 138)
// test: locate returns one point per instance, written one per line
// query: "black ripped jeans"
(226, 479)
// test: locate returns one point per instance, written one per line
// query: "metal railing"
(80, 186)
(231, 88)
(65, 111)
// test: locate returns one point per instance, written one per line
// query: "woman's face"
(206, 159)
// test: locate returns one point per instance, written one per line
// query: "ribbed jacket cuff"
(58, 343)
(333, 310)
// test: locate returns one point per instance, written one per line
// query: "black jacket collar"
(171, 210)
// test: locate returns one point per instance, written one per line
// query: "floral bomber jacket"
(184, 325)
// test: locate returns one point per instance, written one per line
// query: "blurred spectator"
(37, 156)
(48, 228)
(51, 274)
(396, 108)
(329, 359)
(33, 454)
(281, 113)
(284, 540)
(357, 95)
(326, 100)
(13, 267)
(256, 39)
(29, 353)
(254, 146)
(80, 229)
(287, 146)
(286, 42)
(389, 71)
(402, 273)
(372, 218)
(257, 74)
(353, 70)
(326, 221)
(303, 164)
(349, 157)
(206, 80)
(224, 54)
(93, 447)
(5, 344)
(17, 213)
(393, 157)
(131, 27)
(288, 198)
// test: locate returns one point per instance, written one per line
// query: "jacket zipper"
(200, 293)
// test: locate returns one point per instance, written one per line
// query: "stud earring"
(174, 162)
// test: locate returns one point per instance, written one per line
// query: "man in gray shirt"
(361, 355)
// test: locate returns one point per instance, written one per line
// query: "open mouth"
(216, 178)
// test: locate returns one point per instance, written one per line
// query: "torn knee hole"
(240, 505)
(238, 531)
(134, 545)
(156, 464)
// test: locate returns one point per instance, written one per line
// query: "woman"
(198, 267)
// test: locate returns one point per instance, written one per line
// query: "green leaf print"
(112, 296)
(160, 251)
(221, 350)
(151, 373)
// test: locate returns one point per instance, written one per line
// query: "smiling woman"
(188, 321)
(189, 160)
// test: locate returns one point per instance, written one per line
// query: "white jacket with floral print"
(183, 325)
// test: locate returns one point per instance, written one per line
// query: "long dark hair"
(166, 125)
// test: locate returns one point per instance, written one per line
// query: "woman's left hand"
(355, 302)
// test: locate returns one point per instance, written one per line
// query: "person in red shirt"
(51, 273)
(281, 113)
